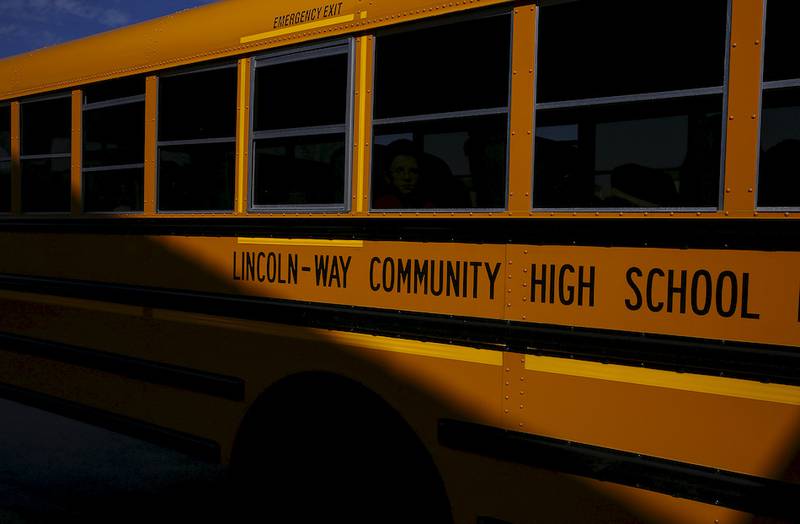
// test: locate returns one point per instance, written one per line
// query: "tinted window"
(114, 89)
(300, 130)
(629, 155)
(5, 132)
(46, 127)
(604, 139)
(779, 167)
(301, 93)
(114, 135)
(46, 185)
(455, 67)
(441, 116)
(305, 170)
(451, 163)
(781, 40)
(118, 190)
(196, 177)
(197, 105)
(5, 187)
(590, 49)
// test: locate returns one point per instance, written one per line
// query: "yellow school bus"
(473, 261)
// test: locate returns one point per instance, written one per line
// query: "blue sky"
(31, 24)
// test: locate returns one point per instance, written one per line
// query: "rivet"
(753, 116)
(508, 370)
(521, 424)
(524, 317)
(786, 213)
(521, 406)
(524, 284)
(508, 305)
(524, 299)
(755, 213)
(509, 290)
(515, 72)
(511, 194)
(730, 117)
(525, 251)
(505, 410)
(508, 383)
(507, 397)
(522, 379)
(733, 44)
(698, 213)
(522, 392)
(758, 42)
(727, 190)
(621, 213)
(749, 189)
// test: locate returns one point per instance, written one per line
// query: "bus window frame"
(32, 100)
(637, 97)
(767, 86)
(297, 54)
(432, 117)
(113, 102)
(199, 68)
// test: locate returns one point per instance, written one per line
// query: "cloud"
(47, 10)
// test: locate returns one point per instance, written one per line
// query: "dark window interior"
(591, 49)
(197, 105)
(302, 93)
(442, 159)
(45, 185)
(119, 190)
(455, 163)
(638, 154)
(781, 42)
(637, 150)
(46, 126)
(114, 89)
(779, 160)
(5, 187)
(196, 177)
(114, 135)
(303, 170)
(455, 67)
(5, 132)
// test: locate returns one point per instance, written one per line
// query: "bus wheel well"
(323, 437)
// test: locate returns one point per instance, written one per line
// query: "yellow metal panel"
(16, 166)
(150, 153)
(243, 137)
(363, 123)
(299, 242)
(746, 389)
(76, 182)
(743, 102)
(522, 85)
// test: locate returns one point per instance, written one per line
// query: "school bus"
(462, 261)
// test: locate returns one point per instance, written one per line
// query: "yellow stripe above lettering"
(300, 242)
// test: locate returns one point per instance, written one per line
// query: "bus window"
(113, 146)
(5, 159)
(779, 155)
(197, 140)
(614, 130)
(46, 141)
(440, 129)
(301, 129)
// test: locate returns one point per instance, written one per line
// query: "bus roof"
(222, 29)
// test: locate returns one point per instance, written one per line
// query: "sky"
(30, 24)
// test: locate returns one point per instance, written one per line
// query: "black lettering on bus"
(388, 276)
(552, 283)
(492, 275)
(728, 311)
(476, 266)
(437, 292)
(250, 266)
(565, 299)
(633, 306)
(586, 284)
(404, 275)
(538, 282)
(261, 259)
(672, 290)
(372, 285)
(272, 268)
(453, 277)
(421, 276)
(706, 307)
(654, 307)
(746, 298)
